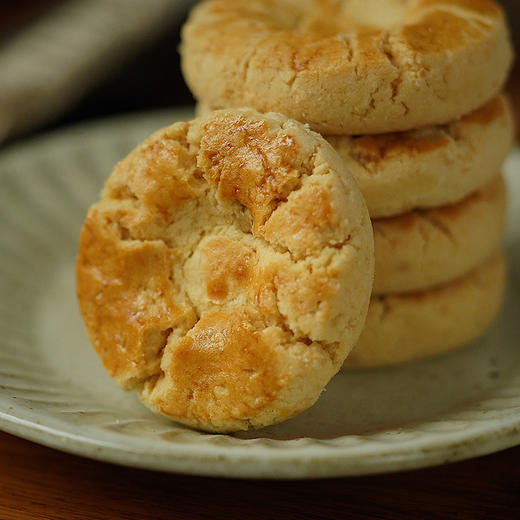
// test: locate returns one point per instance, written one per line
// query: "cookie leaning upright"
(348, 66)
(226, 271)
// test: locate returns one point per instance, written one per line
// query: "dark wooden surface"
(41, 483)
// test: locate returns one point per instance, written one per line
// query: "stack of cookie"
(408, 93)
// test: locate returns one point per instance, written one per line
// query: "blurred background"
(66, 61)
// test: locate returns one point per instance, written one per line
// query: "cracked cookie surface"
(430, 167)
(408, 327)
(426, 248)
(348, 67)
(225, 273)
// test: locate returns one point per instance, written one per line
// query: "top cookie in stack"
(348, 66)
(408, 93)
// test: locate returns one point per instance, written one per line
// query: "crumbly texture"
(348, 67)
(226, 272)
(402, 328)
(426, 248)
(430, 167)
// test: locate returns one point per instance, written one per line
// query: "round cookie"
(430, 167)
(402, 328)
(348, 66)
(212, 273)
(426, 248)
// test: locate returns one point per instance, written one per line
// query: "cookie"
(347, 66)
(430, 167)
(426, 248)
(402, 328)
(226, 271)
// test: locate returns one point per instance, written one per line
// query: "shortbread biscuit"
(426, 248)
(430, 167)
(226, 272)
(348, 66)
(404, 328)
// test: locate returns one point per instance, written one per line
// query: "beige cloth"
(57, 59)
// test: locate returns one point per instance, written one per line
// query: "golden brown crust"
(161, 162)
(229, 267)
(427, 248)
(348, 67)
(128, 325)
(432, 166)
(403, 328)
(222, 364)
(244, 163)
(199, 304)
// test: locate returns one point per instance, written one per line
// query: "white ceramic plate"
(54, 391)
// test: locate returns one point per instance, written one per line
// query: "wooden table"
(41, 483)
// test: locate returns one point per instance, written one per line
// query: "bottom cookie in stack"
(407, 327)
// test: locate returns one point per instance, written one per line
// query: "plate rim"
(233, 465)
